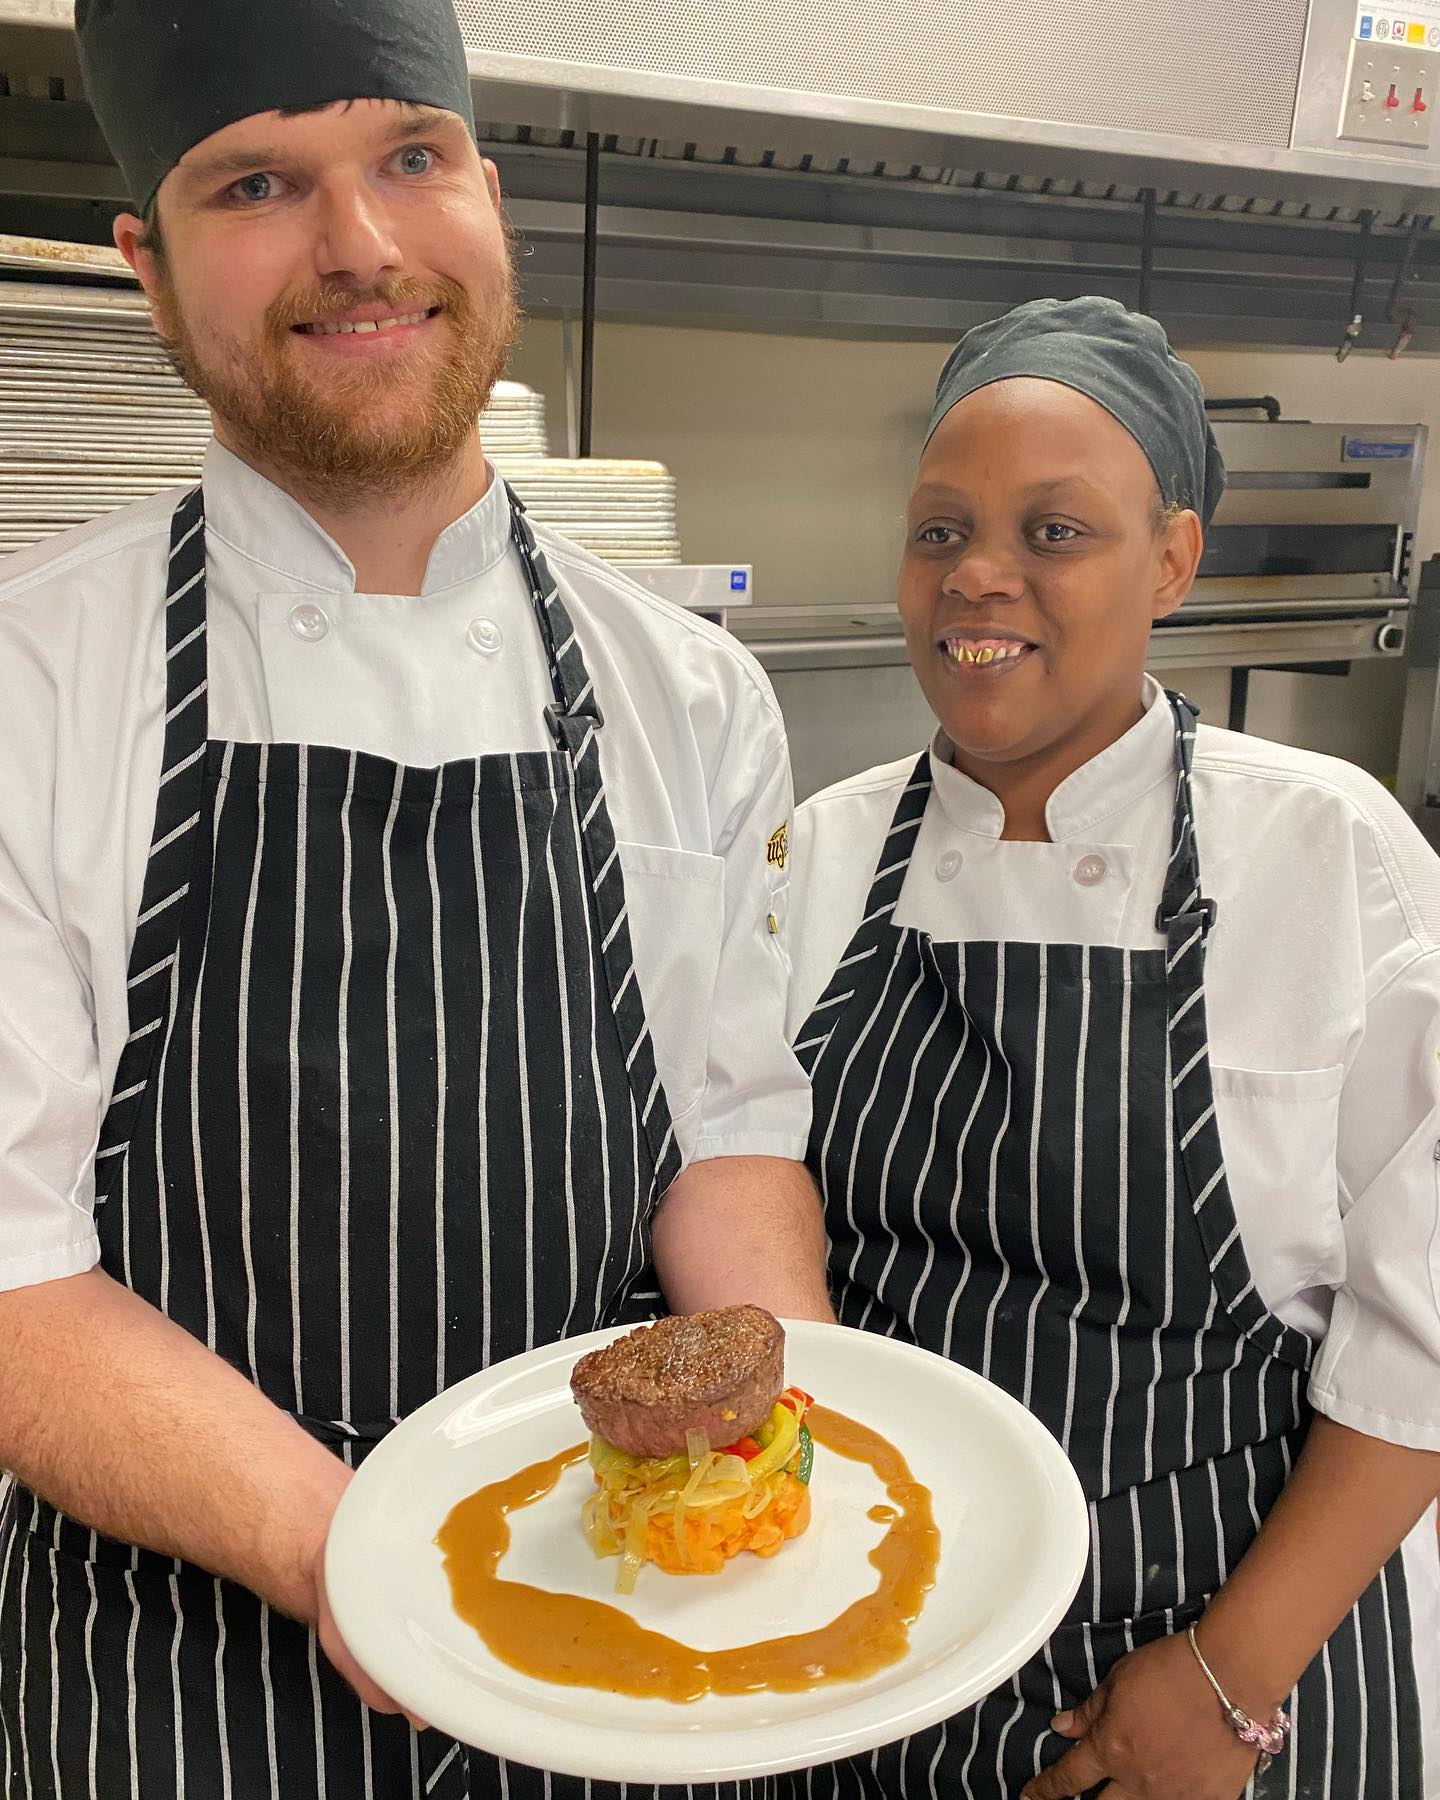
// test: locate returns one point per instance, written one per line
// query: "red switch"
(1420, 104)
(1392, 98)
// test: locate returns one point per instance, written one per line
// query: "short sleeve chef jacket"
(1322, 993)
(693, 755)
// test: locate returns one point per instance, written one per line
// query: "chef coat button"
(947, 867)
(308, 621)
(1090, 871)
(485, 636)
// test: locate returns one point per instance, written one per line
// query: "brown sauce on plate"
(579, 1642)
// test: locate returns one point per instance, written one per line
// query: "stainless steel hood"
(918, 168)
(1225, 99)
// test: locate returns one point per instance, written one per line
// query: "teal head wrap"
(1123, 361)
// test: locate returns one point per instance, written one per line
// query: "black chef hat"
(1124, 362)
(163, 74)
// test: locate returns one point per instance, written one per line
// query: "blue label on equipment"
(1367, 25)
(739, 581)
(1376, 449)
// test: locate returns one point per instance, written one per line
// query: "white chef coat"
(1322, 993)
(693, 754)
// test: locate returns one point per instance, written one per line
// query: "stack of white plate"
(92, 416)
(623, 511)
(513, 424)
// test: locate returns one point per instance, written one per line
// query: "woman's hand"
(1152, 1730)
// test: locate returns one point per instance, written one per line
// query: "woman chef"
(1125, 1046)
(388, 926)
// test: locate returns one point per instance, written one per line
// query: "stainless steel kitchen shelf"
(790, 639)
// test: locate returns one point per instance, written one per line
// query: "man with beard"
(390, 912)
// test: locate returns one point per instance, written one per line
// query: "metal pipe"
(1239, 696)
(587, 314)
(1266, 403)
(1147, 247)
(572, 414)
(1357, 289)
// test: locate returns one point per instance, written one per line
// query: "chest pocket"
(1279, 1129)
(676, 905)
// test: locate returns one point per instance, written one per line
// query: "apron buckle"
(1207, 913)
(557, 720)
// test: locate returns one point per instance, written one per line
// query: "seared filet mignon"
(718, 1372)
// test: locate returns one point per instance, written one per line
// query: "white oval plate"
(1014, 1544)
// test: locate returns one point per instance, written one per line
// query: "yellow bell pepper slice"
(781, 1447)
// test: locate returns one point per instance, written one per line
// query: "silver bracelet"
(1268, 1738)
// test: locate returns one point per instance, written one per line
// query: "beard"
(357, 432)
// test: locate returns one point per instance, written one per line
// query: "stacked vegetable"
(689, 1513)
(656, 1401)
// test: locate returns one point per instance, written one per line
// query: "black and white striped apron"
(1022, 1170)
(389, 1112)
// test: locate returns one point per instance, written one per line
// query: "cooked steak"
(717, 1372)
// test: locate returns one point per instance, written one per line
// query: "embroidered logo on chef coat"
(777, 850)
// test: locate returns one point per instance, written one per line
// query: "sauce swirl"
(575, 1641)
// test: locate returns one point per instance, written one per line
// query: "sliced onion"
(757, 1501)
(595, 1514)
(699, 1474)
(631, 1490)
(637, 1527)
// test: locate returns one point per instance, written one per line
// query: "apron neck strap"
(574, 715)
(899, 844)
(187, 717)
(1184, 915)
